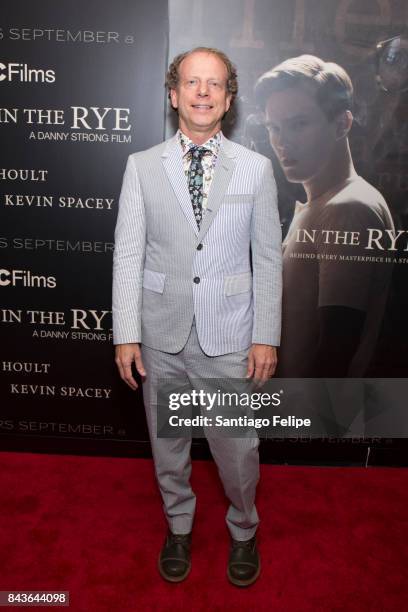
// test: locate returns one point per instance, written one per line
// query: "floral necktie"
(195, 181)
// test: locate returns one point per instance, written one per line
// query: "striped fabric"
(237, 458)
(161, 279)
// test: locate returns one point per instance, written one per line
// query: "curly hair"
(172, 76)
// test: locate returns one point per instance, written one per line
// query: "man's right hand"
(125, 355)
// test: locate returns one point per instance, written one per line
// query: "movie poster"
(345, 243)
(346, 248)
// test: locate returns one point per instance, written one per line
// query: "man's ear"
(229, 98)
(174, 98)
(344, 121)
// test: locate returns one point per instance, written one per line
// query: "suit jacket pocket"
(154, 281)
(238, 283)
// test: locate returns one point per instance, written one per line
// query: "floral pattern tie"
(195, 182)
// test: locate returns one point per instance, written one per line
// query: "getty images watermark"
(219, 401)
(282, 408)
(227, 408)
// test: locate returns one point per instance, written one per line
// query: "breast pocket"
(238, 198)
(154, 281)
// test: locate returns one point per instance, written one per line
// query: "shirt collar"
(213, 144)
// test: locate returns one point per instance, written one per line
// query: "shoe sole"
(173, 578)
(244, 583)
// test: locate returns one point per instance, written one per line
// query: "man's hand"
(125, 355)
(262, 360)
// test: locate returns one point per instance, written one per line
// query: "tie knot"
(198, 153)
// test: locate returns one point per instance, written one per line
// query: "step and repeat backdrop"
(81, 87)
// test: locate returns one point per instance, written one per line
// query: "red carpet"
(330, 538)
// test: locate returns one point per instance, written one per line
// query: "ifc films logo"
(14, 72)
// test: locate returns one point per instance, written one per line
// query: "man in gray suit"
(187, 303)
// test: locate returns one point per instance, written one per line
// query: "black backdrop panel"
(81, 86)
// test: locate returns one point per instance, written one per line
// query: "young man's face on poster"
(300, 133)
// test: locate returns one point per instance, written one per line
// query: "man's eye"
(215, 84)
(191, 81)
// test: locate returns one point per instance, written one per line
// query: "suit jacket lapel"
(173, 163)
(219, 185)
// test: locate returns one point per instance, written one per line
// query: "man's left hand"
(262, 361)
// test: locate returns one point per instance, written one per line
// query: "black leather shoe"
(175, 557)
(243, 565)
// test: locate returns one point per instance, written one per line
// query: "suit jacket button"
(196, 280)
(199, 247)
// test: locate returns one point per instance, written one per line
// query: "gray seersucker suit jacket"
(166, 271)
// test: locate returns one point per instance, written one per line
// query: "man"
(335, 278)
(186, 304)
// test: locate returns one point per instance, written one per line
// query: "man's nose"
(202, 89)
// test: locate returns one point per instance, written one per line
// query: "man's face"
(201, 95)
(300, 133)
(393, 64)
